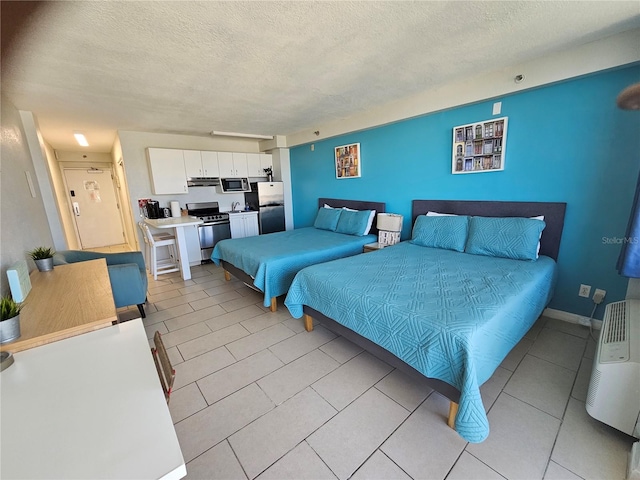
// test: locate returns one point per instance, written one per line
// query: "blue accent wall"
(566, 142)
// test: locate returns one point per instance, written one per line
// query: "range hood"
(203, 181)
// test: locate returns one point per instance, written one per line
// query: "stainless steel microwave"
(230, 185)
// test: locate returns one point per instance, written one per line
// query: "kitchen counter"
(171, 222)
(178, 224)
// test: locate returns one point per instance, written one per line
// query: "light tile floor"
(258, 397)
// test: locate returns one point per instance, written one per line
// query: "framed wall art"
(348, 161)
(479, 147)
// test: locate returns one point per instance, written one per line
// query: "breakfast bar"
(178, 224)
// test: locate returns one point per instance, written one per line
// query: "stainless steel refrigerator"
(268, 199)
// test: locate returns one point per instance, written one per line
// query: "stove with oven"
(215, 227)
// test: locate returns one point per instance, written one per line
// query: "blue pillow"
(507, 237)
(353, 222)
(327, 218)
(448, 232)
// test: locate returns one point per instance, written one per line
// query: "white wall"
(282, 171)
(123, 195)
(24, 222)
(39, 156)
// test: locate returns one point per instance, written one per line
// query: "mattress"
(451, 316)
(273, 260)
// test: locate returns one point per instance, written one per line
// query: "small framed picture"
(348, 161)
(479, 147)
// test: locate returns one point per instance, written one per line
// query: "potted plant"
(269, 174)
(43, 256)
(9, 320)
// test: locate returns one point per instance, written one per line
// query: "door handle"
(76, 209)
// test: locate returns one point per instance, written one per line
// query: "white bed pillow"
(436, 214)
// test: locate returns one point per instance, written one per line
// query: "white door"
(95, 207)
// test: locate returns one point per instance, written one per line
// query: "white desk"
(87, 407)
(178, 224)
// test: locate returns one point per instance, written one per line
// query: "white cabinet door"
(251, 225)
(240, 164)
(225, 164)
(236, 223)
(167, 171)
(210, 166)
(193, 244)
(266, 161)
(244, 224)
(254, 165)
(192, 163)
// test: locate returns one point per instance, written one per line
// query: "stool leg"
(154, 262)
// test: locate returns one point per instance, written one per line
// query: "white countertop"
(88, 407)
(173, 222)
(243, 212)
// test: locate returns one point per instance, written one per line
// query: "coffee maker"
(154, 210)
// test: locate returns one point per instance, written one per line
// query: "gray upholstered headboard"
(553, 215)
(379, 207)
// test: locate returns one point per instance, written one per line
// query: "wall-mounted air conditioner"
(614, 389)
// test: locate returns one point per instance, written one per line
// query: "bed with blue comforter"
(270, 262)
(273, 260)
(450, 315)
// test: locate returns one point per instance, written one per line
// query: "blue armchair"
(127, 273)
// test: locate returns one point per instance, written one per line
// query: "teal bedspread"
(274, 259)
(451, 316)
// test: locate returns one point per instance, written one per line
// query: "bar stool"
(147, 248)
(158, 267)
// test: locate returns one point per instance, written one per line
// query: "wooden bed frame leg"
(308, 323)
(274, 304)
(453, 410)
(227, 276)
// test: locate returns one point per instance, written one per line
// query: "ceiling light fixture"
(242, 135)
(80, 138)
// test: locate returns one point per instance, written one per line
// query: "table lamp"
(389, 227)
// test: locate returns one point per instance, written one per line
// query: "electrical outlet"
(584, 291)
(598, 296)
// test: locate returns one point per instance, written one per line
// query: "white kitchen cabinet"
(266, 161)
(210, 166)
(254, 166)
(257, 162)
(240, 164)
(244, 224)
(232, 164)
(193, 244)
(168, 175)
(193, 163)
(225, 164)
(201, 163)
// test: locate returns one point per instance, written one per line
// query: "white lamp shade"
(389, 222)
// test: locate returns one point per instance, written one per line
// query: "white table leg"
(182, 253)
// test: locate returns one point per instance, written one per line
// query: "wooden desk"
(87, 407)
(178, 224)
(66, 301)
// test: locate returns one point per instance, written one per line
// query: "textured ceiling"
(265, 67)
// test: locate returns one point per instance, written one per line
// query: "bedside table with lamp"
(389, 227)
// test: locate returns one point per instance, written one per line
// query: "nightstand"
(371, 247)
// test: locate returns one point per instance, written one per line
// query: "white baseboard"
(571, 318)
